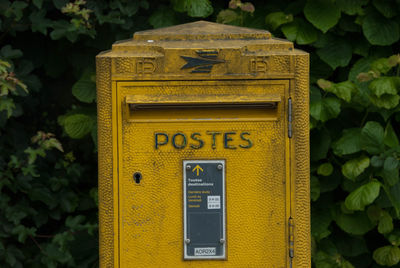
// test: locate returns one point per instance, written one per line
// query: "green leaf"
(163, 17)
(361, 66)
(390, 139)
(377, 161)
(39, 22)
(34, 153)
(350, 246)
(343, 90)
(44, 195)
(23, 232)
(18, 9)
(15, 215)
(276, 19)
(94, 194)
(325, 169)
(351, 7)
(323, 14)
(78, 125)
(385, 101)
(60, 3)
(384, 91)
(300, 31)
(360, 46)
(93, 134)
(387, 255)
(85, 88)
(318, 68)
(379, 30)
(357, 223)
(391, 171)
(179, 5)
(320, 221)
(393, 194)
(30, 170)
(69, 201)
(349, 25)
(363, 196)
(128, 8)
(199, 8)
(247, 7)
(394, 237)
(374, 213)
(10, 258)
(228, 16)
(63, 238)
(74, 222)
(38, 3)
(325, 260)
(320, 142)
(349, 186)
(391, 163)
(60, 29)
(52, 143)
(386, 7)
(325, 109)
(8, 105)
(384, 85)
(354, 167)
(372, 135)
(337, 52)
(382, 65)
(14, 252)
(9, 53)
(385, 225)
(346, 264)
(315, 191)
(349, 143)
(54, 253)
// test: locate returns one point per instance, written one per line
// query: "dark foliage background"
(48, 167)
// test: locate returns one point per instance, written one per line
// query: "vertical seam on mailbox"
(290, 117)
(118, 169)
(289, 167)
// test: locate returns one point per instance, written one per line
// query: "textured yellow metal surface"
(141, 224)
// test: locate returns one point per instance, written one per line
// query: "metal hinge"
(290, 117)
(291, 238)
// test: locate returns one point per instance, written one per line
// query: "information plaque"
(204, 209)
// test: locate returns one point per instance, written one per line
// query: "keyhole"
(137, 176)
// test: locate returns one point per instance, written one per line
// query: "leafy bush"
(48, 136)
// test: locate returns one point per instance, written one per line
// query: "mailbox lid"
(201, 30)
(202, 50)
(257, 187)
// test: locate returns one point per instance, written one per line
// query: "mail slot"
(203, 149)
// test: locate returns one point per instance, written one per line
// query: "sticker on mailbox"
(205, 251)
(213, 202)
(204, 209)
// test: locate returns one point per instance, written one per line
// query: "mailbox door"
(161, 126)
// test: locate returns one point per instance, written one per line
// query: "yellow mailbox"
(203, 149)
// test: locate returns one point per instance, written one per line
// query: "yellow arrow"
(197, 168)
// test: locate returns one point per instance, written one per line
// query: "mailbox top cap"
(201, 30)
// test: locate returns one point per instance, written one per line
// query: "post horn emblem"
(203, 63)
